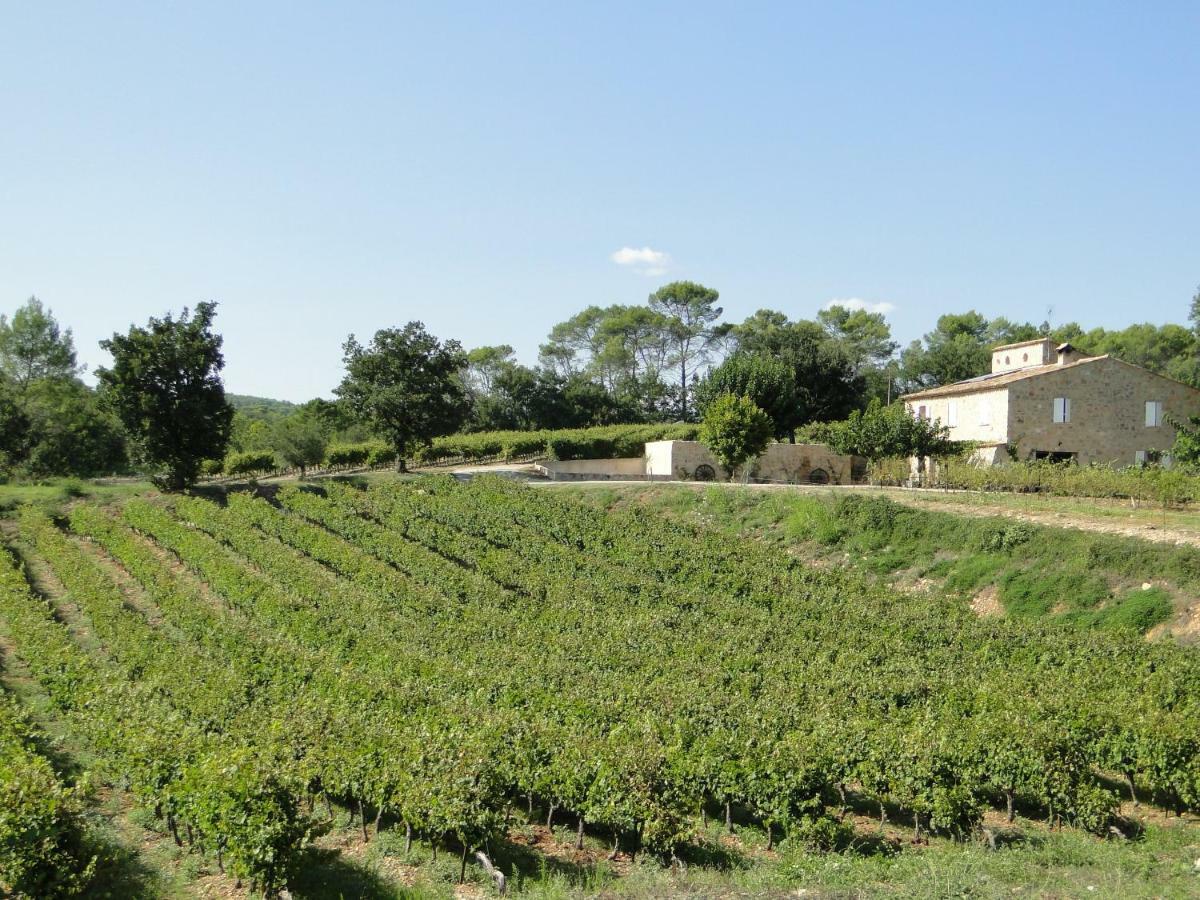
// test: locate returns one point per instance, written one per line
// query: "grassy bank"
(1025, 570)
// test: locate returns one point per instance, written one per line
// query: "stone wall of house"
(970, 413)
(1108, 412)
(794, 463)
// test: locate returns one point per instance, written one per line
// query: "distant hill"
(260, 407)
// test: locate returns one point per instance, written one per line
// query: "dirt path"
(1163, 534)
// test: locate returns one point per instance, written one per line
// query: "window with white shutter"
(952, 414)
(1154, 413)
(1062, 409)
(1139, 457)
(985, 411)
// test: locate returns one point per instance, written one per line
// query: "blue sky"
(326, 169)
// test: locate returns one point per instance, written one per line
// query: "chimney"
(1067, 354)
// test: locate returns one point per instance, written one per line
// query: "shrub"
(956, 810)
(346, 455)
(735, 430)
(1140, 610)
(212, 467)
(251, 462)
(822, 834)
(381, 454)
(868, 513)
(1005, 538)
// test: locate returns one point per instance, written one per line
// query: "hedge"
(602, 442)
(249, 462)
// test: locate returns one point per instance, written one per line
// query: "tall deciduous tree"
(827, 386)
(165, 387)
(33, 346)
(767, 380)
(300, 440)
(735, 430)
(689, 311)
(407, 385)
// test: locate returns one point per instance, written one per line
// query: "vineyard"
(437, 658)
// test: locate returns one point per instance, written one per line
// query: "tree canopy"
(33, 346)
(407, 385)
(767, 380)
(165, 387)
(735, 430)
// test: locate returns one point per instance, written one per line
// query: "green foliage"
(766, 380)
(1149, 483)
(34, 347)
(606, 442)
(373, 647)
(735, 430)
(69, 432)
(686, 312)
(369, 453)
(1037, 593)
(880, 432)
(252, 462)
(42, 851)
(1006, 538)
(300, 441)
(1140, 610)
(406, 385)
(165, 387)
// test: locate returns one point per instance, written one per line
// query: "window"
(985, 412)
(922, 411)
(1062, 409)
(952, 414)
(1154, 413)
(1139, 457)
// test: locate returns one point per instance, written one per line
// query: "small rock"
(1146, 585)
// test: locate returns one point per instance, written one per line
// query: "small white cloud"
(854, 303)
(644, 260)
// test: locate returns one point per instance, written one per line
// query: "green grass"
(52, 493)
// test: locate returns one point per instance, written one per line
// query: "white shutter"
(1062, 409)
(1139, 457)
(985, 411)
(952, 414)
(1153, 413)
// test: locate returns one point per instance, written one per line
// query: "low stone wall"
(789, 463)
(626, 468)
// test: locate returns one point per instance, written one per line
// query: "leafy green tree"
(14, 425)
(827, 387)
(735, 430)
(300, 441)
(866, 336)
(406, 385)
(766, 380)
(70, 432)
(688, 311)
(165, 387)
(484, 366)
(880, 432)
(33, 346)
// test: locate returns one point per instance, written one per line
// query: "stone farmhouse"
(1046, 402)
